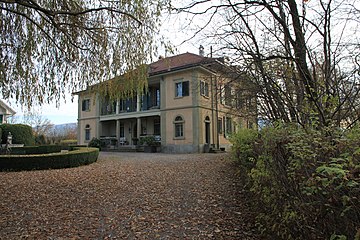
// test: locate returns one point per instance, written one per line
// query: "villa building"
(191, 105)
(5, 112)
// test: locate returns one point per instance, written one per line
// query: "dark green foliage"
(306, 181)
(36, 149)
(147, 140)
(68, 142)
(40, 139)
(77, 157)
(21, 134)
(95, 142)
(244, 145)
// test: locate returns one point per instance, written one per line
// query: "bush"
(21, 134)
(95, 142)
(306, 180)
(147, 140)
(244, 146)
(35, 149)
(78, 157)
(68, 142)
(40, 139)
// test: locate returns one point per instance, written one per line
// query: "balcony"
(149, 101)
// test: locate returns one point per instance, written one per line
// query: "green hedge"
(35, 149)
(68, 142)
(21, 134)
(77, 157)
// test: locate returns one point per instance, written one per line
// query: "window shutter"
(185, 88)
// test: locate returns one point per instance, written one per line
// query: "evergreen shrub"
(43, 149)
(21, 134)
(95, 143)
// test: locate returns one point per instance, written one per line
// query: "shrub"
(147, 140)
(78, 157)
(305, 180)
(40, 139)
(95, 142)
(244, 142)
(68, 142)
(21, 134)
(35, 149)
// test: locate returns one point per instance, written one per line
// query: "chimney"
(201, 51)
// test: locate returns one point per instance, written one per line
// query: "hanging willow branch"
(49, 48)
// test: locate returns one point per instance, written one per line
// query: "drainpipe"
(216, 113)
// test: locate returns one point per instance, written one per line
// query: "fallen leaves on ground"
(127, 196)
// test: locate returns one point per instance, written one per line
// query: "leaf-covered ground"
(127, 196)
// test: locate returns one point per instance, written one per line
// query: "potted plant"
(149, 143)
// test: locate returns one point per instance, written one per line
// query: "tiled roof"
(175, 62)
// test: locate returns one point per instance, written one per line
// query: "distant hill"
(65, 126)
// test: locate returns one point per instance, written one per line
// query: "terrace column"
(118, 130)
(138, 128)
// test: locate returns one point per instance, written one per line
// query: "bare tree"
(40, 124)
(303, 58)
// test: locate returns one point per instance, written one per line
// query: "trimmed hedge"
(75, 158)
(21, 134)
(68, 142)
(36, 149)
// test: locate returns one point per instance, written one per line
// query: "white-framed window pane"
(206, 89)
(86, 105)
(179, 92)
(87, 134)
(202, 88)
(179, 130)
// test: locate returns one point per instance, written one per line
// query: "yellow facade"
(182, 108)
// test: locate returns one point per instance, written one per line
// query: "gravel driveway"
(127, 196)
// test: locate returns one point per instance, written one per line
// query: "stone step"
(216, 150)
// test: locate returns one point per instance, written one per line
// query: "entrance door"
(207, 130)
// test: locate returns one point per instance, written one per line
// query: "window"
(122, 130)
(204, 89)
(182, 89)
(87, 132)
(239, 100)
(122, 105)
(156, 126)
(228, 126)
(1, 118)
(108, 107)
(86, 105)
(220, 126)
(228, 95)
(179, 127)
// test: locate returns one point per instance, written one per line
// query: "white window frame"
(85, 107)
(87, 133)
(179, 88)
(179, 122)
(204, 89)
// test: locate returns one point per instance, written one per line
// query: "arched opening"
(87, 132)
